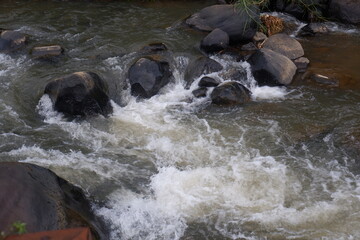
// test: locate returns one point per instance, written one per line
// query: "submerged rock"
(148, 75)
(215, 41)
(47, 52)
(271, 68)
(200, 92)
(44, 201)
(347, 11)
(80, 93)
(11, 41)
(230, 93)
(324, 80)
(239, 24)
(313, 28)
(285, 45)
(202, 65)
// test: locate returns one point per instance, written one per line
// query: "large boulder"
(271, 68)
(80, 93)
(200, 66)
(230, 93)
(215, 41)
(43, 201)
(11, 41)
(240, 24)
(285, 45)
(345, 10)
(148, 75)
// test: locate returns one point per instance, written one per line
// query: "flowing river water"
(285, 166)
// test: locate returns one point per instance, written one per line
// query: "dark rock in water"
(230, 93)
(47, 52)
(148, 75)
(239, 24)
(302, 64)
(271, 68)
(202, 65)
(313, 28)
(347, 11)
(44, 201)
(11, 41)
(200, 92)
(249, 47)
(235, 74)
(285, 45)
(324, 80)
(154, 47)
(80, 93)
(208, 82)
(215, 41)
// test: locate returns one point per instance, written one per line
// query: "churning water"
(284, 166)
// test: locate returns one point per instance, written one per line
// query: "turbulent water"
(285, 166)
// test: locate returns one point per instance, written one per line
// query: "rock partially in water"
(324, 80)
(148, 75)
(313, 28)
(208, 82)
(200, 92)
(36, 196)
(230, 93)
(47, 52)
(347, 11)
(302, 64)
(285, 45)
(215, 41)
(202, 65)
(79, 94)
(11, 41)
(154, 48)
(271, 68)
(239, 24)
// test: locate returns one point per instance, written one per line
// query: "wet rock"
(202, 65)
(230, 93)
(215, 41)
(347, 11)
(302, 64)
(200, 92)
(249, 47)
(235, 74)
(239, 24)
(271, 68)
(208, 82)
(148, 75)
(44, 201)
(324, 80)
(313, 28)
(79, 94)
(154, 48)
(285, 45)
(259, 39)
(11, 41)
(47, 52)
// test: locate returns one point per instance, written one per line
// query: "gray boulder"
(148, 75)
(347, 11)
(285, 45)
(43, 201)
(239, 24)
(202, 65)
(215, 41)
(79, 94)
(11, 41)
(230, 93)
(271, 68)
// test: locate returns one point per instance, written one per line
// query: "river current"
(284, 166)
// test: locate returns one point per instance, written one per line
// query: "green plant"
(19, 227)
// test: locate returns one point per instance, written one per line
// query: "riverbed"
(284, 166)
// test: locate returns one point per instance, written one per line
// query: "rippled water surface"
(285, 166)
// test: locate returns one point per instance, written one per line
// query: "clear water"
(285, 166)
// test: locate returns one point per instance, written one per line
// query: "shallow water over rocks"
(284, 166)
